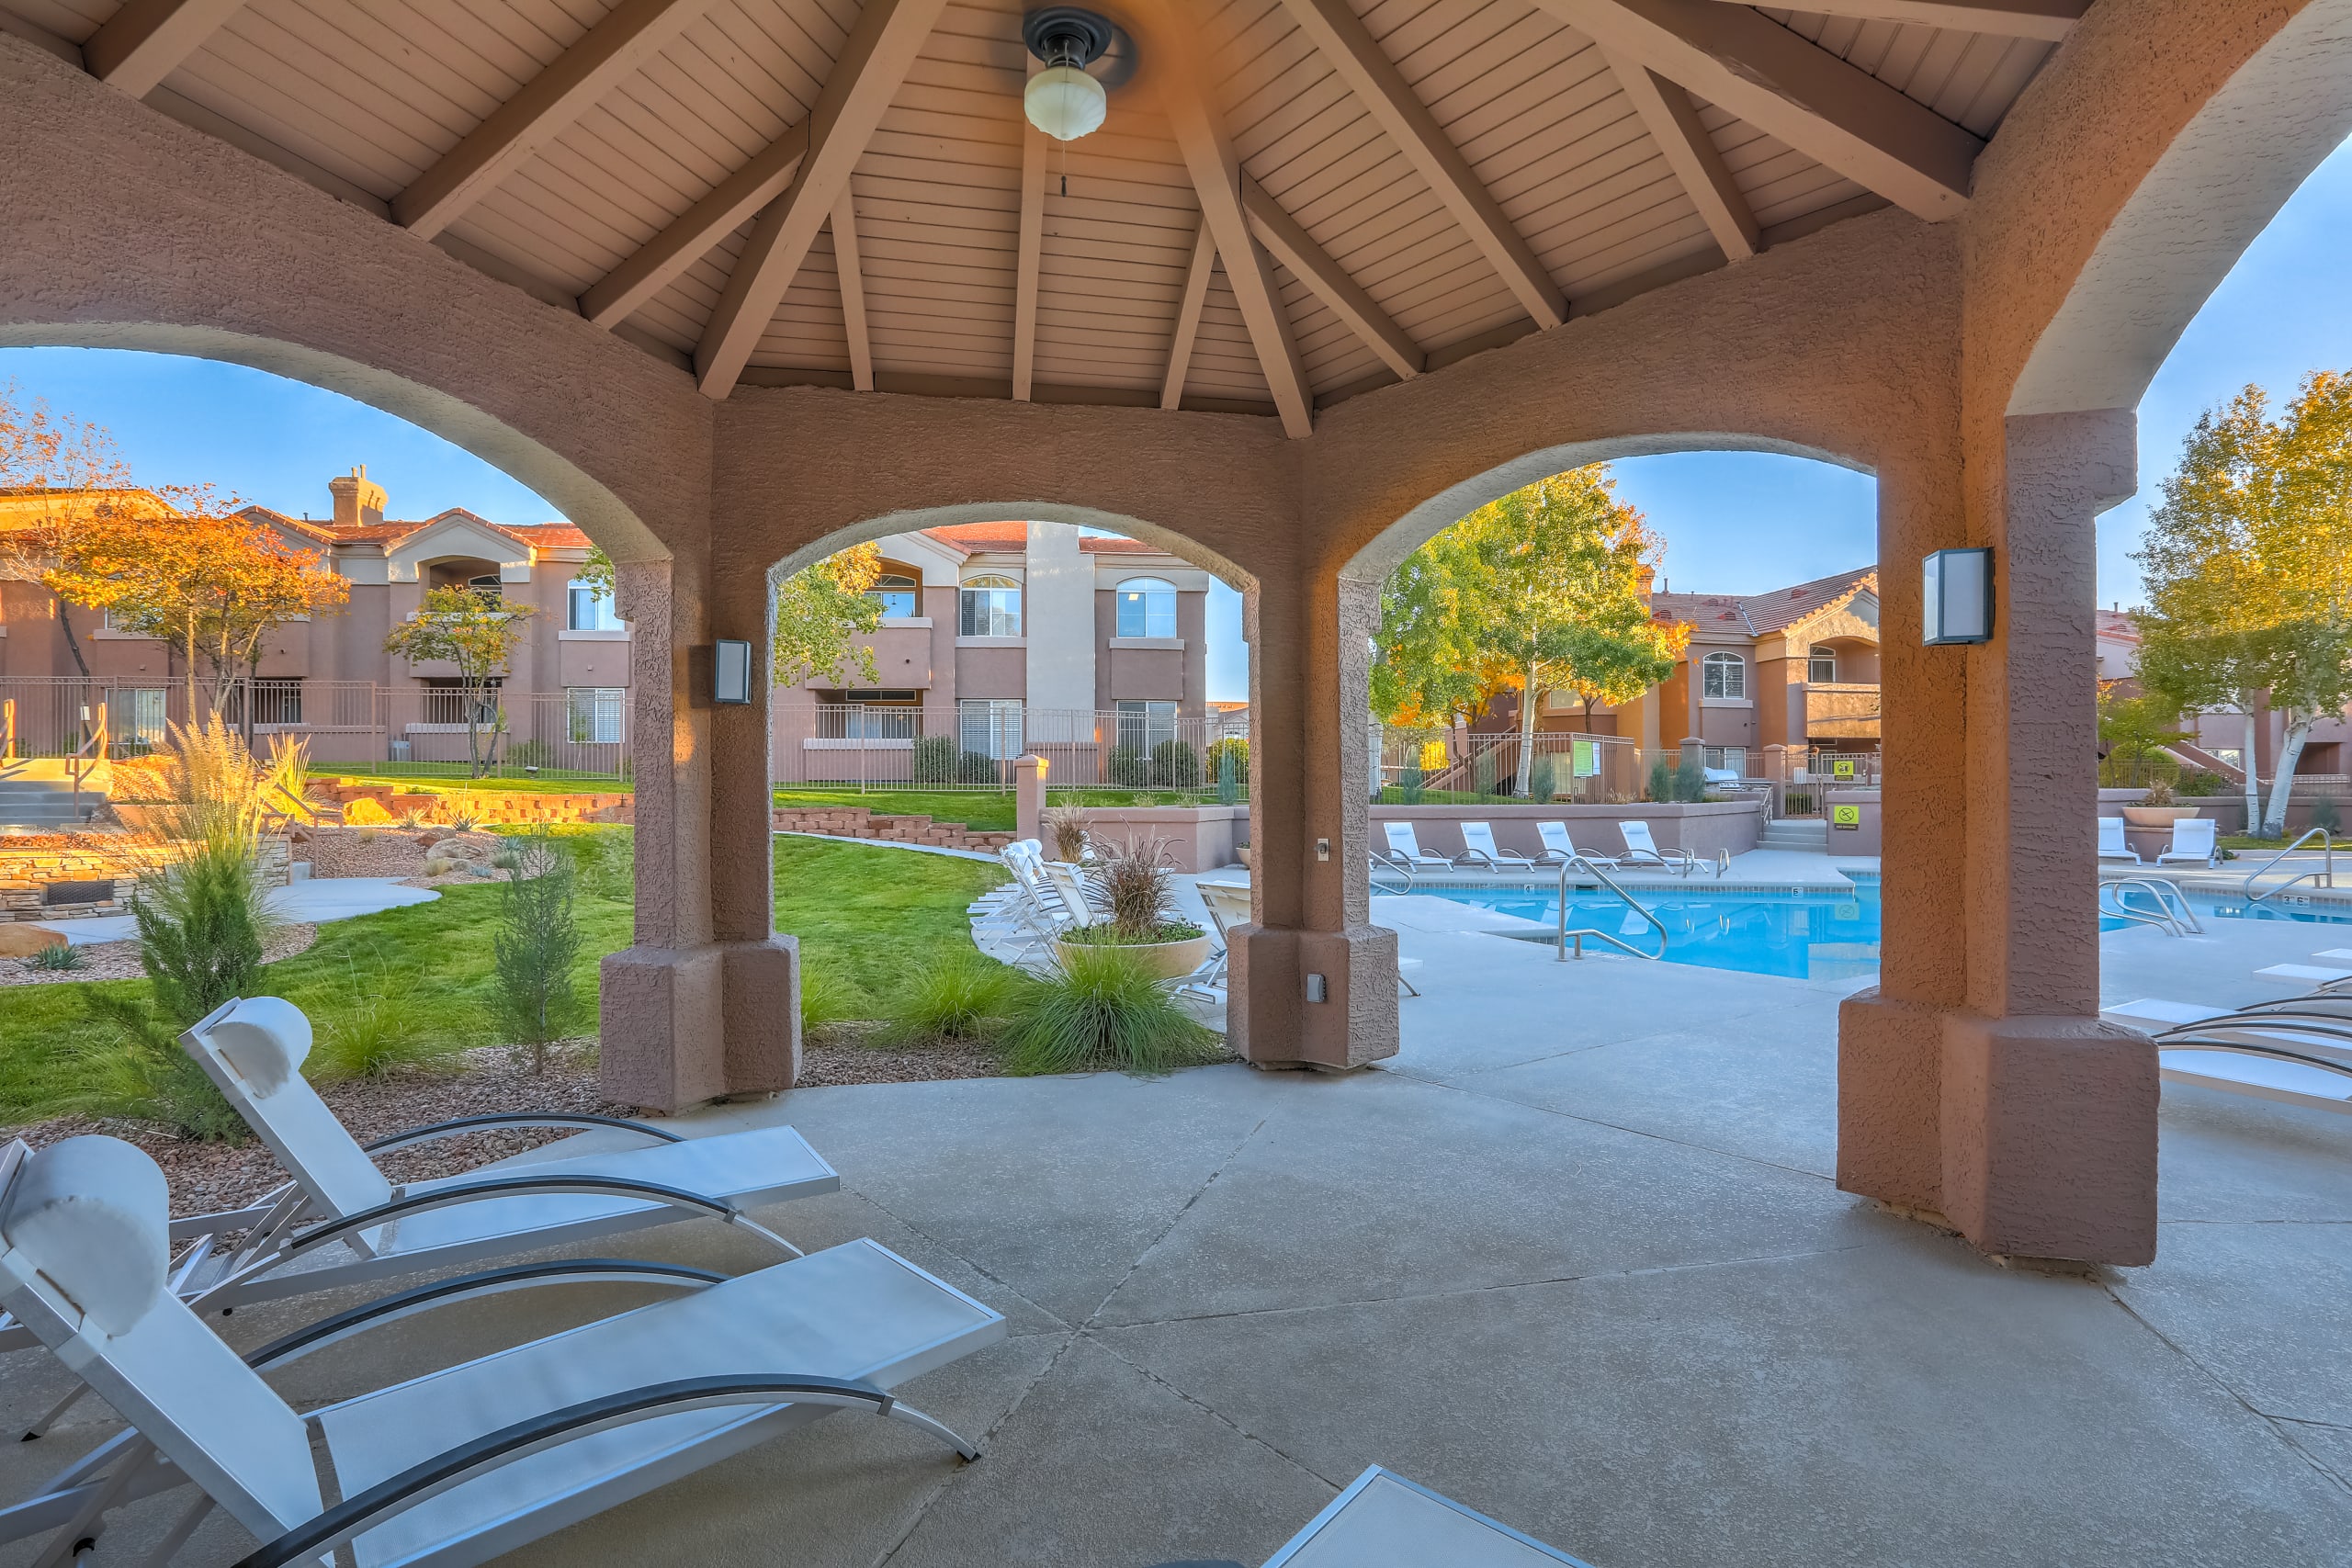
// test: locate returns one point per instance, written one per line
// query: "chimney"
(359, 500)
(1648, 573)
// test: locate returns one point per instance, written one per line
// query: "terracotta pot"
(1162, 960)
(2156, 816)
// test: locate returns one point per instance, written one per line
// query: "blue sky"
(1735, 523)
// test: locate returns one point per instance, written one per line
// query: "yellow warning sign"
(1846, 817)
(1842, 768)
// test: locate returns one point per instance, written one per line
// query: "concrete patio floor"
(1574, 1257)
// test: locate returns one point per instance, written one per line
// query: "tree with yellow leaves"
(2248, 565)
(181, 565)
(1540, 588)
(58, 476)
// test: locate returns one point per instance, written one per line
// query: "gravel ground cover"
(119, 960)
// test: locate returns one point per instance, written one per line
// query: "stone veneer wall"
(31, 864)
(490, 805)
(857, 822)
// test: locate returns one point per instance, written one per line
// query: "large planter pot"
(1162, 960)
(2156, 816)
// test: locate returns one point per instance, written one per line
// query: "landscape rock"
(18, 939)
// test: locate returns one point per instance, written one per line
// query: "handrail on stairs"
(8, 729)
(2325, 877)
(75, 764)
(2179, 921)
(1560, 943)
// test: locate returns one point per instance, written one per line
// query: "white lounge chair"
(2192, 841)
(1228, 906)
(2112, 844)
(1642, 849)
(252, 1051)
(1383, 1520)
(1559, 848)
(1405, 850)
(2265, 1051)
(455, 1467)
(1482, 849)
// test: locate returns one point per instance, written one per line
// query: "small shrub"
(137, 1069)
(1102, 1011)
(826, 999)
(935, 760)
(1661, 782)
(2324, 815)
(57, 960)
(530, 754)
(1175, 765)
(373, 1033)
(976, 767)
(960, 996)
(1129, 886)
(2159, 791)
(1482, 771)
(1233, 749)
(366, 812)
(1540, 780)
(536, 940)
(1690, 779)
(1063, 828)
(2199, 783)
(1228, 783)
(1125, 768)
(201, 926)
(1408, 785)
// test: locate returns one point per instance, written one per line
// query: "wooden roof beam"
(621, 292)
(1697, 162)
(2050, 20)
(881, 47)
(1344, 41)
(1836, 114)
(1187, 317)
(1313, 266)
(1215, 169)
(609, 54)
(851, 273)
(146, 42)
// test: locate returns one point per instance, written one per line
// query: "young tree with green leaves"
(2248, 565)
(822, 611)
(1539, 590)
(478, 633)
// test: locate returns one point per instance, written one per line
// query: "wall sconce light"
(730, 673)
(1957, 606)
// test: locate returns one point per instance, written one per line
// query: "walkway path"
(308, 902)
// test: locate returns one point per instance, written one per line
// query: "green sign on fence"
(1584, 759)
(1842, 768)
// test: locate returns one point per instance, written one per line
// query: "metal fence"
(1142, 747)
(1446, 765)
(415, 732)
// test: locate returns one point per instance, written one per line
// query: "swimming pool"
(1806, 935)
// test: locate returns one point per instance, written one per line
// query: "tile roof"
(2118, 626)
(540, 536)
(1759, 614)
(973, 538)
(1118, 548)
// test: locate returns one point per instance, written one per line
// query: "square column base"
(2033, 1137)
(1269, 1020)
(684, 1025)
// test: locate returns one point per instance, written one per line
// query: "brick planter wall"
(482, 805)
(857, 822)
(31, 864)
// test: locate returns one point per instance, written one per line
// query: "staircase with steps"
(1804, 835)
(37, 797)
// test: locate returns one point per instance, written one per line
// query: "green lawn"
(441, 778)
(867, 917)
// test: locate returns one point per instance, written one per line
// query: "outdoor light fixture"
(1062, 100)
(1958, 604)
(730, 673)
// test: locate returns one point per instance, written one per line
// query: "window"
(1731, 759)
(445, 701)
(990, 606)
(1147, 607)
(594, 714)
(1143, 725)
(894, 592)
(487, 586)
(992, 729)
(870, 715)
(1726, 676)
(136, 716)
(588, 608)
(1822, 668)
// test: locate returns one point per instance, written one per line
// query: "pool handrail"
(2167, 894)
(2325, 877)
(1560, 943)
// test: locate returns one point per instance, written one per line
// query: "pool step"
(1803, 835)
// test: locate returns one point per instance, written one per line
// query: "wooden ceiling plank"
(652, 267)
(1031, 252)
(609, 54)
(1312, 265)
(1751, 67)
(1674, 125)
(2049, 21)
(1187, 317)
(1215, 169)
(1381, 87)
(146, 42)
(852, 275)
(865, 77)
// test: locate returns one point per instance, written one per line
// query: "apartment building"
(1796, 668)
(330, 677)
(1010, 637)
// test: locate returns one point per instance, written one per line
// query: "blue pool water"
(1806, 936)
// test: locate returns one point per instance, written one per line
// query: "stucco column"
(1977, 1083)
(1310, 818)
(706, 1001)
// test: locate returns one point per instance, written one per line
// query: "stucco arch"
(915, 521)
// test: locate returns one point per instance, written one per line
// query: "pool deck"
(1574, 1256)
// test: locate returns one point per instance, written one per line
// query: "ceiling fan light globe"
(1064, 102)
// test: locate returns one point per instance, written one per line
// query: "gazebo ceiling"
(1292, 200)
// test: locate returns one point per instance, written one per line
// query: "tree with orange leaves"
(58, 476)
(185, 568)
